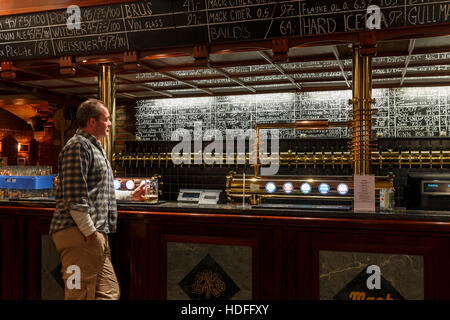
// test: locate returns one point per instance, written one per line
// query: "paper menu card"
(364, 193)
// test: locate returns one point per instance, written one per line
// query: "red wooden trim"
(307, 221)
(206, 240)
(298, 221)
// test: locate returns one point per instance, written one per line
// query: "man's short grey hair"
(91, 108)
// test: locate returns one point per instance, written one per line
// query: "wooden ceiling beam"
(272, 73)
(176, 79)
(53, 98)
(304, 89)
(281, 70)
(81, 73)
(412, 43)
(239, 82)
(166, 94)
(341, 65)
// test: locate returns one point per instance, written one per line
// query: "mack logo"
(369, 284)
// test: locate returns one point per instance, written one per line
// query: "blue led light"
(288, 187)
(305, 188)
(342, 188)
(271, 187)
(117, 184)
(324, 188)
(432, 185)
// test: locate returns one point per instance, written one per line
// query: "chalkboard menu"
(405, 112)
(165, 23)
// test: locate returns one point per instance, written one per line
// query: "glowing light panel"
(324, 188)
(130, 184)
(305, 188)
(271, 187)
(288, 187)
(342, 188)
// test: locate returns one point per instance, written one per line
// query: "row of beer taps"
(317, 159)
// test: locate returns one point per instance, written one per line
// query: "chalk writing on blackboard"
(404, 112)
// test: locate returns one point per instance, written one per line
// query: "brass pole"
(367, 101)
(362, 112)
(107, 94)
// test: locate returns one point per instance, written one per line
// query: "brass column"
(107, 94)
(362, 112)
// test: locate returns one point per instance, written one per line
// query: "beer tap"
(167, 159)
(138, 157)
(159, 157)
(147, 156)
(314, 159)
(114, 157)
(400, 160)
(122, 156)
(153, 158)
(129, 160)
(222, 156)
(380, 159)
(410, 159)
(430, 157)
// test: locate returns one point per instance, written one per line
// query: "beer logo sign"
(208, 281)
(369, 284)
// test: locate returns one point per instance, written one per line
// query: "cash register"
(428, 191)
(200, 196)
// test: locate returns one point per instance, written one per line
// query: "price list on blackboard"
(405, 112)
(163, 23)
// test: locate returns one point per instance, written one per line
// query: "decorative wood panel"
(229, 262)
(424, 252)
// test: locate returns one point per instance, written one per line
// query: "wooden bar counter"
(159, 250)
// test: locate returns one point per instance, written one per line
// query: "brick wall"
(125, 126)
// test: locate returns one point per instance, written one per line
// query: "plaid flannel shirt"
(85, 184)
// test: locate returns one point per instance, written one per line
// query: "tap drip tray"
(296, 206)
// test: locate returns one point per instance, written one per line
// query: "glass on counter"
(151, 190)
(25, 170)
(10, 174)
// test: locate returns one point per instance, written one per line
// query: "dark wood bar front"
(266, 255)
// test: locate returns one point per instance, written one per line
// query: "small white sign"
(364, 193)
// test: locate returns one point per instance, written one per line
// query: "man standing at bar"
(86, 208)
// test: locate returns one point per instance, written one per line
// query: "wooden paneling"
(208, 237)
(9, 260)
(373, 242)
(35, 229)
(285, 250)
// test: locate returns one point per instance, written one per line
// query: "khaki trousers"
(98, 280)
